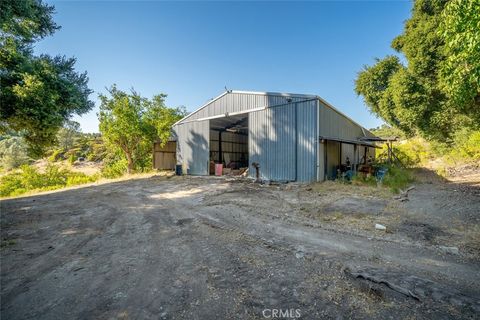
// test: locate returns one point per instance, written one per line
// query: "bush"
(77, 179)
(29, 178)
(362, 179)
(463, 148)
(115, 168)
(397, 178)
(467, 146)
(56, 155)
(13, 152)
(72, 158)
(96, 151)
(413, 152)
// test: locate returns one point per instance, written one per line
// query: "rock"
(299, 254)
(380, 227)
(450, 250)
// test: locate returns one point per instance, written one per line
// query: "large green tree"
(436, 92)
(38, 93)
(460, 74)
(131, 124)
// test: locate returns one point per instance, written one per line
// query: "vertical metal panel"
(333, 150)
(347, 152)
(321, 162)
(236, 102)
(306, 140)
(193, 146)
(272, 142)
(333, 124)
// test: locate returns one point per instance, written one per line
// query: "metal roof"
(269, 93)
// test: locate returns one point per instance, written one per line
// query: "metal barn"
(291, 137)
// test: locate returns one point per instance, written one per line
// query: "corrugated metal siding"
(333, 158)
(348, 152)
(193, 146)
(283, 150)
(321, 162)
(282, 138)
(272, 142)
(235, 102)
(333, 124)
(307, 141)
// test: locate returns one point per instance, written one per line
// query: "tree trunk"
(130, 163)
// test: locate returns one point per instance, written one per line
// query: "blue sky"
(192, 50)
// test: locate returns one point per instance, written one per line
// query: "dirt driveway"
(214, 248)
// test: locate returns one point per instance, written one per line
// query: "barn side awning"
(347, 141)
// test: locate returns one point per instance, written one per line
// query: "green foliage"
(397, 178)
(466, 146)
(96, 150)
(28, 19)
(72, 158)
(361, 179)
(115, 168)
(29, 179)
(73, 144)
(39, 93)
(460, 73)
(463, 148)
(388, 131)
(68, 135)
(416, 98)
(412, 152)
(130, 124)
(56, 155)
(13, 152)
(76, 179)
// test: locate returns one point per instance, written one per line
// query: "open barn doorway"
(229, 144)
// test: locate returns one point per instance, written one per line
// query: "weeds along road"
(211, 248)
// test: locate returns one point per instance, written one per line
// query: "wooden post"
(220, 160)
(355, 156)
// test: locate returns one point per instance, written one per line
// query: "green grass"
(397, 178)
(29, 179)
(6, 243)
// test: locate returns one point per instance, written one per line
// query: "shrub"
(397, 178)
(115, 169)
(467, 146)
(29, 178)
(56, 155)
(413, 152)
(96, 151)
(13, 152)
(81, 178)
(360, 179)
(72, 158)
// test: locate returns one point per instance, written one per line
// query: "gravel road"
(216, 248)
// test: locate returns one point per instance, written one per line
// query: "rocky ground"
(217, 248)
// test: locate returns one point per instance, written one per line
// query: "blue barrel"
(178, 169)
